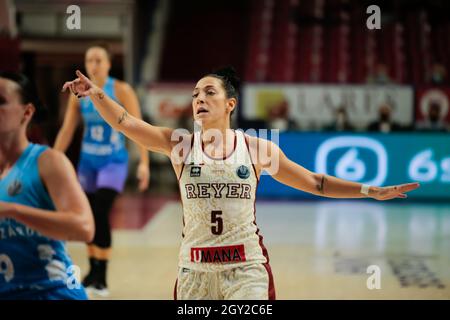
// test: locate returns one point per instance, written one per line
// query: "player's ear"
(28, 113)
(231, 104)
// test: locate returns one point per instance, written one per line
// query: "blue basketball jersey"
(29, 261)
(101, 143)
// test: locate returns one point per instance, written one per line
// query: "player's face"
(13, 113)
(209, 101)
(97, 63)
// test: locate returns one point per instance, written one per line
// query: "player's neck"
(223, 143)
(11, 147)
(222, 126)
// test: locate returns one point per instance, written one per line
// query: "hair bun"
(229, 74)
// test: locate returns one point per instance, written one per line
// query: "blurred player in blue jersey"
(103, 163)
(41, 205)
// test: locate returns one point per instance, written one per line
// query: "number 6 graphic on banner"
(6, 267)
(422, 167)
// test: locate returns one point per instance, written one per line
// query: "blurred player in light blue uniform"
(41, 204)
(103, 163)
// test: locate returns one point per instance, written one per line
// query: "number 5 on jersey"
(217, 222)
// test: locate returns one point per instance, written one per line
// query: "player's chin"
(204, 114)
(203, 117)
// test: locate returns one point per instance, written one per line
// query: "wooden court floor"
(318, 250)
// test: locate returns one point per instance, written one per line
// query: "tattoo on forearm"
(321, 185)
(101, 95)
(123, 116)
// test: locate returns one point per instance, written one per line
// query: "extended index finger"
(408, 187)
(81, 75)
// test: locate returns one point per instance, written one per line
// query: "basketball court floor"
(317, 250)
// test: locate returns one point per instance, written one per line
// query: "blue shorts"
(111, 176)
(58, 293)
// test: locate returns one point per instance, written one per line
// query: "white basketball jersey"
(218, 197)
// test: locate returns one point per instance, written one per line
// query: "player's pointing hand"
(392, 192)
(82, 86)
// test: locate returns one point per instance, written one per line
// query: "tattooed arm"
(154, 138)
(271, 159)
(122, 117)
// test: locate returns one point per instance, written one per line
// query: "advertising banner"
(312, 107)
(376, 159)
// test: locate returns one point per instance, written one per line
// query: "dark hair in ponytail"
(230, 80)
(27, 92)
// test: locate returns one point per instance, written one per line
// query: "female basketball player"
(41, 203)
(222, 255)
(103, 164)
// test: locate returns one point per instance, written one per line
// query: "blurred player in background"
(41, 204)
(103, 163)
(222, 255)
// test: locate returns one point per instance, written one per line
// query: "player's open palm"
(82, 86)
(392, 192)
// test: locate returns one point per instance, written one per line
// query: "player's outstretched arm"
(151, 137)
(294, 175)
